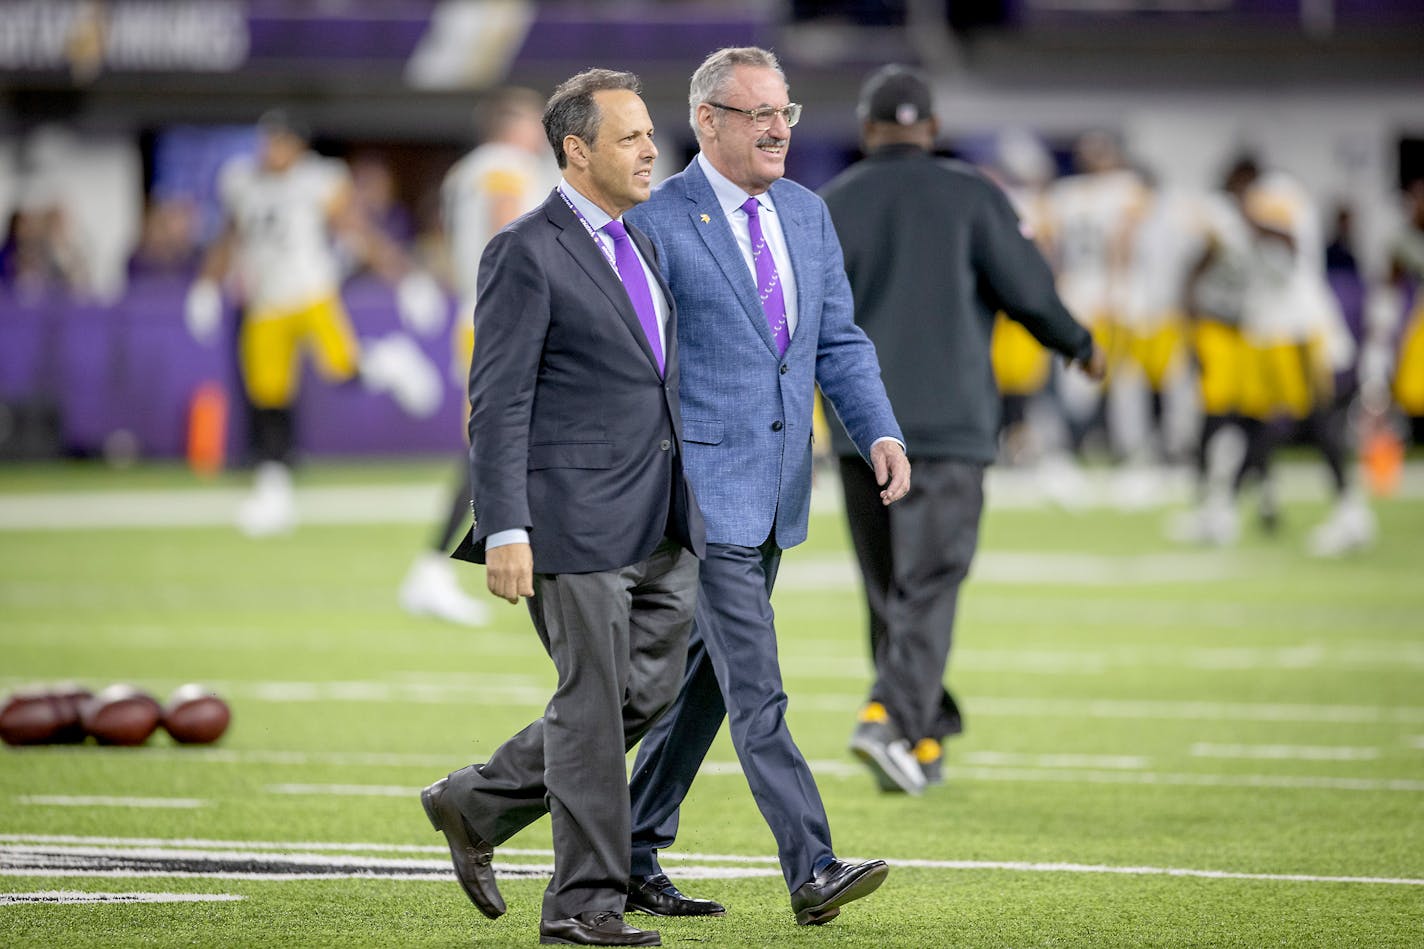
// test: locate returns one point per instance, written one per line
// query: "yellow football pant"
(271, 342)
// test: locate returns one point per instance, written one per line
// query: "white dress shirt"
(596, 218)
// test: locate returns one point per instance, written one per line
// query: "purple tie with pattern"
(773, 304)
(630, 271)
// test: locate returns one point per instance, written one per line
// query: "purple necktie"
(773, 304)
(630, 271)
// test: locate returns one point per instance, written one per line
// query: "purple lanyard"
(607, 253)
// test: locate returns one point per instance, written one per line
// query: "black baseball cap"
(897, 94)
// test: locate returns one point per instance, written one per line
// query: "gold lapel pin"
(706, 219)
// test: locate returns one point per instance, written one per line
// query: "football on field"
(195, 716)
(121, 715)
(29, 718)
(68, 701)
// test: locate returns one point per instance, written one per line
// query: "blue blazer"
(746, 413)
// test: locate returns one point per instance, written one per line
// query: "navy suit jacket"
(574, 436)
(746, 411)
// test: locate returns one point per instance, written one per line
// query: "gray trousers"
(732, 673)
(913, 556)
(619, 642)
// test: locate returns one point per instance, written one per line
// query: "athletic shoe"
(430, 589)
(888, 756)
(1211, 525)
(271, 507)
(930, 754)
(1350, 527)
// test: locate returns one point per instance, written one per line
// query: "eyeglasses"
(763, 118)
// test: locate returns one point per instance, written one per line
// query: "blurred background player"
(506, 176)
(1387, 306)
(1086, 228)
(1213, 296)
(1294, 340)
(1149, 399)
(283, 210)
(509, 174)
(1022, 166)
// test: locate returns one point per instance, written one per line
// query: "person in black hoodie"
(933, 250)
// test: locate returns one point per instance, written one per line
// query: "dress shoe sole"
(427, 800)
(863, 885)
(560, 941)
(884, 770)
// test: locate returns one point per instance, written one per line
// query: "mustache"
(770, 140)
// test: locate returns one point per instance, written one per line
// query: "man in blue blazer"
(580, 505)
(764, 315)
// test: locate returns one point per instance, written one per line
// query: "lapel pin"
(706, 219)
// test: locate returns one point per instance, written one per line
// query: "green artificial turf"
(1133, 708)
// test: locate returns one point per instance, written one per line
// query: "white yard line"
(1188, 779)
(1285, 752)
(344, 790)
(421, 870)
(97, 800)
(55, 897)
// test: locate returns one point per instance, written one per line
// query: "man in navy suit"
(580, 505)
(764, 315)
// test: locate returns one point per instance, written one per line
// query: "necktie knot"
(616, 230)
(752, 207)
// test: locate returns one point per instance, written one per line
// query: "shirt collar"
(592, 213)
(730, 196)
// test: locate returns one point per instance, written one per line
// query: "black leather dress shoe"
(820, 900)
(470, 854)
(656, 896)
(604, 928)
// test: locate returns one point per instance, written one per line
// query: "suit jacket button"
(664, 444)
(783, 368)
(777, 426)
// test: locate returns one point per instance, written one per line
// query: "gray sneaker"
(934, 772)
(888, 757)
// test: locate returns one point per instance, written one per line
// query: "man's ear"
(576, 151)
(707, 120)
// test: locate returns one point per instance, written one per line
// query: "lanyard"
(607, 251)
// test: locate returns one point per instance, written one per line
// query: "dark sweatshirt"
(933, 250)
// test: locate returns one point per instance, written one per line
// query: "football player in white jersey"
(283, 209)
(1294, 341)
(1085, 227)
(1386, 310)
(1151, 387)
(508, 175)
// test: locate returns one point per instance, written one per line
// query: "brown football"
(29, 718)
(195, 715)
(68, 700)
(121, 715)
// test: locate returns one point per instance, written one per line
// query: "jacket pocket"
(571, 455)
(702, 431)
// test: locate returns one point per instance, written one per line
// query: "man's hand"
(509, 571)
(1096, 365)
(892, 470)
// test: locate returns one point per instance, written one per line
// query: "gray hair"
(572, 111)
(711, 78)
